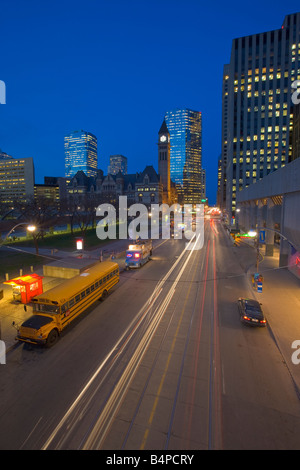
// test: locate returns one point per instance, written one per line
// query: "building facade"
(117, 163)
(80, 153)
(16, 179)
(296, 132)
(164, 155)
(260, 75)
(148, 187)
(185, 128)
(203, 184)
(144, 187)
(49, 193)
(222, 165)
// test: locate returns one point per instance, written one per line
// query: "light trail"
(102, 425)
(129, 330)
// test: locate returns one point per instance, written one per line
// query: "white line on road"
(154, 296)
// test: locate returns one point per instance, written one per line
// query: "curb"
(273, 334)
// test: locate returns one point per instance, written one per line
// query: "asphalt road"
(163, 363)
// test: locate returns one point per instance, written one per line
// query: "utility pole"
(257, 248)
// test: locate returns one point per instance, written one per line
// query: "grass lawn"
(63, 241)
(11, 260)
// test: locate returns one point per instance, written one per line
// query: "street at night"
(149, 229)
(163, 363)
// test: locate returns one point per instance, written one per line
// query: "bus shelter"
(26, 287)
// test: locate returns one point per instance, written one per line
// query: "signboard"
(259, 287)
(79, 243)
(262, 236)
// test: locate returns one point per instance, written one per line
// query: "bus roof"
(72, 286)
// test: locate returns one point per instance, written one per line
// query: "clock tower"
(164, 162)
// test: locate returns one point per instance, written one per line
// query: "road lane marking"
(153, 297)
(107, 415)
(152, 413)
(198, 341)
(215, 421)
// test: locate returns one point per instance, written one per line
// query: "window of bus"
(64, 308)
(45, 308)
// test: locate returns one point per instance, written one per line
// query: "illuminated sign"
(79, 243)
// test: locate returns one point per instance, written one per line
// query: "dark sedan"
(251, 312)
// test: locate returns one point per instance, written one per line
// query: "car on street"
(251, 312)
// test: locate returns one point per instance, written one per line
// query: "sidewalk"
(280, 298)
(11, 311)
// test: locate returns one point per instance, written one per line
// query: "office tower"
(80, 153)
(185, 128)
(164, 162)
(16, 179)
(224, 141)
(296, 132)
(117, 163)
(203, 184)
(219, 198)
(261, 72)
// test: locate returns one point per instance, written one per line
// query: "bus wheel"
(52, 338)
(104, 295)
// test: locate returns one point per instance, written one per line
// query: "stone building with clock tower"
(164, 152)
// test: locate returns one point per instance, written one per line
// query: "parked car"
(251, 312)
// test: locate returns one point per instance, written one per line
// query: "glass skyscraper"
(185, 128)
(80, 153)
(117, 163)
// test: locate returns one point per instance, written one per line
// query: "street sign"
(259, 287)
(262, 236)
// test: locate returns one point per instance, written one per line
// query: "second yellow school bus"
(59, 306)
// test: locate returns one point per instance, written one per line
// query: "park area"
(13, 254)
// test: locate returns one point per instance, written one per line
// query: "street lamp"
(30, 228)
(252, 233)
(255, 234)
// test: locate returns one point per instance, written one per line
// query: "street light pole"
(272, 230)
(30, 228)
(257, 250)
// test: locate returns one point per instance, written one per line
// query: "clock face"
(163, 138)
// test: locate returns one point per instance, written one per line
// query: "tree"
(40, 212)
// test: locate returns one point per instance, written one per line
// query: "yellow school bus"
(59, 306)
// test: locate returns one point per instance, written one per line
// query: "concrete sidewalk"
(11, 311)
(280, 298)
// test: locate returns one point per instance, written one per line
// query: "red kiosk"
(26, 287)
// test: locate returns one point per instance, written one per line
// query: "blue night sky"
(114, 68)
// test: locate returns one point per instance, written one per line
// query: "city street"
(163, 363)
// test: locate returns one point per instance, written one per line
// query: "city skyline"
(131, 84)
(136, 316)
